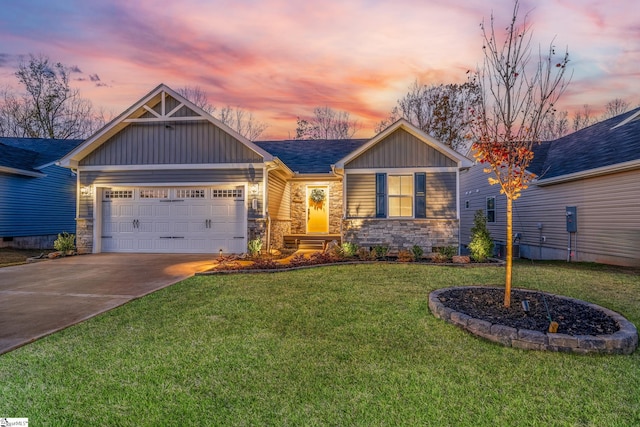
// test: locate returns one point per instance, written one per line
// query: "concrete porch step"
(311, 244)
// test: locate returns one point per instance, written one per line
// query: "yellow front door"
(317, 209)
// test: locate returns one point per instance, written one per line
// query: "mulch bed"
(488, 304)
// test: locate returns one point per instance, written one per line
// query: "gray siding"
(174, 143)
(401, 150)
(279, 198)
(177, 176)
(608, 216)
(38, 206)
(361, 195)
(441, 195)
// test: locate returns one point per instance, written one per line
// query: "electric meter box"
(572, 219)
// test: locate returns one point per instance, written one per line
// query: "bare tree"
(615, 107)
(555, 125)
(517, 98)
(442, 111)
(327, 123)
(237, 119)
(49, 107)
(198, 96)
(583, 118)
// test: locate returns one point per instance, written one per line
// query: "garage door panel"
(145, 244)
(146, 211)
(124, 210)
(156, 220)
(125, 227)
(162, 210)
(201, 210)
(181, 227)
(162, 227)
(180, 210)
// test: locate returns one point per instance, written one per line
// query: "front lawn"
(339, 345)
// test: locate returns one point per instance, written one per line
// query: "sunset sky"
(281, 58)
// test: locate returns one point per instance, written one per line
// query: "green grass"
(341, 345)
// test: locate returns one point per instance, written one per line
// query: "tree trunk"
(509, 254)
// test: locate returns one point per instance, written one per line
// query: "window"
(118, 194)
(188, 193)
(466, 204)
(491, 209)
(400, 195)
(154, 193)
(236, 194)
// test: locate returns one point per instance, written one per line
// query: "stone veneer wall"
(299, 206)
(402, 233)
(279, 228)
(84, 235)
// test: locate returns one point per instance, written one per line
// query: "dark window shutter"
(381, 195)
(420, 188)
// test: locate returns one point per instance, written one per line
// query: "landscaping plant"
(417, 252)
(65, 243)
(349, 249)
(254, 246)
(380, 251)
(481, 245)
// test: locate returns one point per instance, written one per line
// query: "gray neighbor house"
(167, 177)
(584, 204)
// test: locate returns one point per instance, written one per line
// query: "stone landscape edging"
(624, 341)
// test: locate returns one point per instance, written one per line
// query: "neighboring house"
(595, 170)
(37, 197)
(165, 176)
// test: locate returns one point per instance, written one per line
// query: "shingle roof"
(29, 154)
(311, 156)
(601, 144)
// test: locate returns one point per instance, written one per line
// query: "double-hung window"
(491, 209)
(400, 195)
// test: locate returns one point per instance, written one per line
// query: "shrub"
(380, 251)
(481, 245)
(365, 255)
(265, 263)
(417, 252)
(349, 249)
(65, 243)
(254, 246)
(405, 256)
(444, 253)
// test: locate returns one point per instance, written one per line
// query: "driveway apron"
(42, 298)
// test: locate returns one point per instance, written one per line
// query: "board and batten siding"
(361, 195)
(169, 177)
(38, 206)
(174, 143)
(442, 195)
(279, 198)
(400, 150)
(608, 216)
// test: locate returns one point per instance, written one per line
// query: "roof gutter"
(604, 170)
(15, 171)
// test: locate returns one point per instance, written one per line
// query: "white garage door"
(174, 220)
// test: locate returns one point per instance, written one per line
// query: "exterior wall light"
(86, 191)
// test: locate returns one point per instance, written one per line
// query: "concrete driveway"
(41, 298)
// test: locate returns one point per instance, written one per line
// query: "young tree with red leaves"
(517, 97)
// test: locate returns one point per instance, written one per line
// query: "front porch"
(310, 241)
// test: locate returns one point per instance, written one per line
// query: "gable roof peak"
(145, 106)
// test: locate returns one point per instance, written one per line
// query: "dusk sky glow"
(280, 58)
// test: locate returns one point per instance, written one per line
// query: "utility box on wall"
(572, 219)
